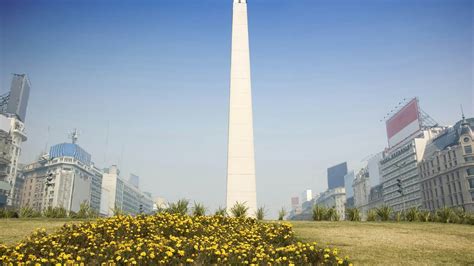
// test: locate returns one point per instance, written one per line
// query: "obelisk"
(241, 183)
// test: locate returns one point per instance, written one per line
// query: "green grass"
(365, 243)
(370, 243)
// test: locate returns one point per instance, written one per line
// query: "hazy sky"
(156, 73)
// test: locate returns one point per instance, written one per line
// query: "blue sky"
(156, 73)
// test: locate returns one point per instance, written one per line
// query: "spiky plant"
(319, 212)
(331, 214)
(398, 216)
(239, 210)
(424, 216)
(281, 214)
(445, 215)
(220, 211)
(117, 211)
(179, 207)
(413, 214)
(384, 212)
(28, 212)
(198, 209)
(353, 214)
(371, 215)
(260, 213)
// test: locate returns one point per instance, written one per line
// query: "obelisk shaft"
(241, 183)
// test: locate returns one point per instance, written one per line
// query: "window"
(471, 183)
(468, 149)
(470, 171)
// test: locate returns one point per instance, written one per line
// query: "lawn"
(369, 243)
(364, 242)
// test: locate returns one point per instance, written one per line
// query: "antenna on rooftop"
(462, 113)
(74, 135)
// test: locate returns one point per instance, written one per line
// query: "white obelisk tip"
(240, 1)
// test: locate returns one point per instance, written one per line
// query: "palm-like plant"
(413, 214)
(260, 213)
(198, 209)
(445, 215)
(220, 212)
(353, 214)
(179, 207)
(425, 216)
(371, 215)
(331, 214)
(281, 214)
(319, 212)
(239, 210)
(384, 212)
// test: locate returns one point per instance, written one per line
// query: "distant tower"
(74, 136)
(241, 184)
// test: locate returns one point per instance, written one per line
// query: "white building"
(336, 198)
(12, 134)
(401, 162)
(122, 195)
(65, 177)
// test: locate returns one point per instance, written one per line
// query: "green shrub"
(371, 215)
(412, 215)
(331, 214)
(220, 212)
(28, 212)
(199, 209)
(180, 207)
(281, 214)
(446, 215)
(56, 212)
(399, 216)
(353, 214)
(319, 213)
(260, 213)
(239, 210)
(384, 212)
(424, 216)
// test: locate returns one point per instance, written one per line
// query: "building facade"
(64, 178)
(447, 169)
(348, 182)
(336, 198)
(12, 135)
(123, 196)
(336, 175)
(400, 164)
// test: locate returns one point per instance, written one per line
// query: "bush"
(239, 210)
(170, 239)
(446, 215)
(319, 213)
(331, 214)
(412, 214)
(398, 216)
(384, 212)
(199, 209)
(220, 211)
(353, 214)
(85, 212)
(424, 216)
(56, 212)
(281, 214)
(28, 212)
(260, 213)
(180, 207)
(371, 215)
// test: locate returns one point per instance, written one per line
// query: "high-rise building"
(447, 169)
(241, 183)
(123, 196)
(408, 131)
(66, 177)
(348, 182)
(134, 180)
(18, 98)
(307, 195)
(336, 175)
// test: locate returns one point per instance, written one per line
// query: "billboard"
(336, 175)
(404, 123)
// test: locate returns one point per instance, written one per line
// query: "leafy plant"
(199, 209)
(424, 216)
(28, 212)
(384, 212)
(281, 214)
(398, 216)
(220, 212)
(117, 211)
(371, 215)
(353, 214)
(56, 212)
(319, 212)
(239, 210)
(331, 214)
(413, 214)
(179, 207)
(445, 215)
(260, 213)
(85, 211)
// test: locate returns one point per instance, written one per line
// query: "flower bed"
(170, 239)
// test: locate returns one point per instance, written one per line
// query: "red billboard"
(403, 123)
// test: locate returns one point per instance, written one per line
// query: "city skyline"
(163, 99)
